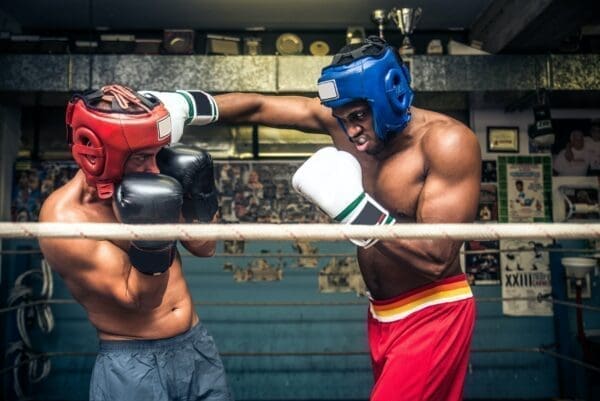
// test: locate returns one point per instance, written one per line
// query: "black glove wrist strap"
(152, 262)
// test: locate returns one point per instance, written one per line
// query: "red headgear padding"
(105, 127)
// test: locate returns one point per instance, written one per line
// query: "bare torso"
(396, 180)
(428, 173)
(102, 280)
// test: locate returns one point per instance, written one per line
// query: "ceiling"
(502, 25)
(232, 14)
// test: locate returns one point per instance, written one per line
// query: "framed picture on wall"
(488, 171)
(576, 148)
(503, 139)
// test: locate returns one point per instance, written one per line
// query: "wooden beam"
(557, 28)
(503, 20)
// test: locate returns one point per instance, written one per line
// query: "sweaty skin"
(121, 302)
(428, 173)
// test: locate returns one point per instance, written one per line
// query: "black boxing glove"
(145, 198)
(193, 168)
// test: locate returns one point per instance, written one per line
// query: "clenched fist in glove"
(332, 179)
(193, 168)
(144, 198)
(187, 107)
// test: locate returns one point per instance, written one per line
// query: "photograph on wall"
(488, 171)
(575, 199)
(261, 192)
(524, 189)
(525, 269)
(488, 203)
(33, 182)
(576, 149)
(482, 262)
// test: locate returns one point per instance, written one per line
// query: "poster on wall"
(525, 269)
(33, 182)
(482, 262)
(524, 188)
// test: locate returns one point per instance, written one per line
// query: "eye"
(140, 158)
(357, 116)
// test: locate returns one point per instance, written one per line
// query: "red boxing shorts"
(420, 342)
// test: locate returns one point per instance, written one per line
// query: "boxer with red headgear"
(135, 292)
(107, 126)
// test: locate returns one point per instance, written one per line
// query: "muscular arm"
(450, 194)
(202, 248)
(93, 268)
(297, 112)
(100, 269)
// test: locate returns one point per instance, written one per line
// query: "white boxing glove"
(187, 108)
(332, 179)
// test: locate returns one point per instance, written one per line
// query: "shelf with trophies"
(405, 19)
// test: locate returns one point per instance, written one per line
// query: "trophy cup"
(406, 19)
(380, 18)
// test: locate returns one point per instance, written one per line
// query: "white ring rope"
(325, 232)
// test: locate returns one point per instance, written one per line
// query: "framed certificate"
(503, 139)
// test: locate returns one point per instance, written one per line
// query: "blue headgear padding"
(382, 80)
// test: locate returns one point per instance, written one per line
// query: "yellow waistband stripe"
(440, 293)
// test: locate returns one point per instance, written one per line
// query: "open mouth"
(359, 139)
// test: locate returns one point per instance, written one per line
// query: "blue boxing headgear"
(379, 77)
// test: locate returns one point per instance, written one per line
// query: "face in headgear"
(375, 73)
(106, 126)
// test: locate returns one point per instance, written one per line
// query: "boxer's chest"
(397, 183)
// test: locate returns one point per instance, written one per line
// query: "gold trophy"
(406, 19)
(379, 17)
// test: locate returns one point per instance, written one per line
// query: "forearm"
(297, 112)
(201, 248)
(239, 108)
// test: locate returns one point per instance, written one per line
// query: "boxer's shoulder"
(446, 134)
(67, 204)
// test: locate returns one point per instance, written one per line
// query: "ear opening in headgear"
(89, 151)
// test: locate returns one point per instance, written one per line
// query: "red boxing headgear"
(105, 127)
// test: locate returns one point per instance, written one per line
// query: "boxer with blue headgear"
(373, 72)
(430, 173)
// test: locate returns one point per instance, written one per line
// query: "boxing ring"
(28, 365)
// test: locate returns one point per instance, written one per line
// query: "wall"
(483, 118)
(574, 380)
